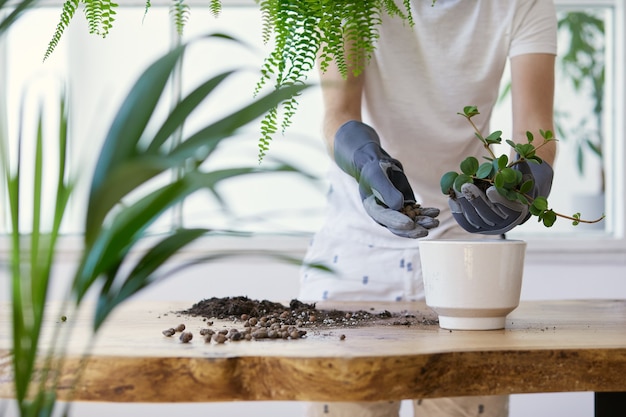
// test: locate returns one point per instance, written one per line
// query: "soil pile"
(296, 313)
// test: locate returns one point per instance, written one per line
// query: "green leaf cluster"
(123, 202)
(100, 15)
(306, 32)
(32, 254)
(131, 157)
(499, 172)
(302, 32)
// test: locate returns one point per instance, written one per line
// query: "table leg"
(610, 404)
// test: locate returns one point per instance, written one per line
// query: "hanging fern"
(180, 15)
(69, 9)
(100, 16)
(304, 32)
(147, 7)
(215, 7)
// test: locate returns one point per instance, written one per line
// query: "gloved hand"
(491, 213)
(383, 186)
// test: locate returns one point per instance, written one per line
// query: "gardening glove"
(383, 186)
(491, 213)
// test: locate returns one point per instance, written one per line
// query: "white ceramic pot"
(472, 284)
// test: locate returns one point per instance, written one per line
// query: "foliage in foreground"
(124, 200)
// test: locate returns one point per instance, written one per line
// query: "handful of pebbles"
(415, 210)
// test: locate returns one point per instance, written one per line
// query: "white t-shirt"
(417, 80)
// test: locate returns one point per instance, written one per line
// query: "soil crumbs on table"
(258, 320)
(299, 314)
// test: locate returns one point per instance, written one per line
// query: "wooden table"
(551, 346)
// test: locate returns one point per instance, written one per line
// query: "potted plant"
(474, 284)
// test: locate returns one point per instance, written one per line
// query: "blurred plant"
(123, 202)
(32, 254)
(583, 62)
(16, 9)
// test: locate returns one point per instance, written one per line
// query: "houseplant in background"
(583, 63)
(580, 126)
(118, 257)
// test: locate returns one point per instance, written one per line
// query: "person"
(393, 131)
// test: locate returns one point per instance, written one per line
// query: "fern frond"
(100, 16)
(215, 7)
(361, 32)
(409, 14)
(145, 12)
(296, 44)
(69, 9)
(268, 130)
(180, 13)
(332, 40)
(268, 10)
(391, 8)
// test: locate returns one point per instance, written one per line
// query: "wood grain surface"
(547, 346)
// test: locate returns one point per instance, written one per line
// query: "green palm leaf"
(144, 271)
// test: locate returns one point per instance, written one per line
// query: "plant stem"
(480, 136)
(579, 220)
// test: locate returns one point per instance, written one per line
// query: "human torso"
(417, 80)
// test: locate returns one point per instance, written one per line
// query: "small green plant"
(500, 172)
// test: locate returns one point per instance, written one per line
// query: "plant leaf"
(227, 126)
(127, 128)
(485, 170)
(469, 165)
(526, 187)
(548, 218)
(447, 181)
(503, 161)
(540, 203)
(494, 138)
(470, 111)
(142, 274)
(460, 180)
(183, 109)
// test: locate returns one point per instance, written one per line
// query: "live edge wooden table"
(547, 346)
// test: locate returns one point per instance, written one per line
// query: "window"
(286, 203)
(271, 203)
(589, 126)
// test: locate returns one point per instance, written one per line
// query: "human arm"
(356, 149)
(532, 92)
